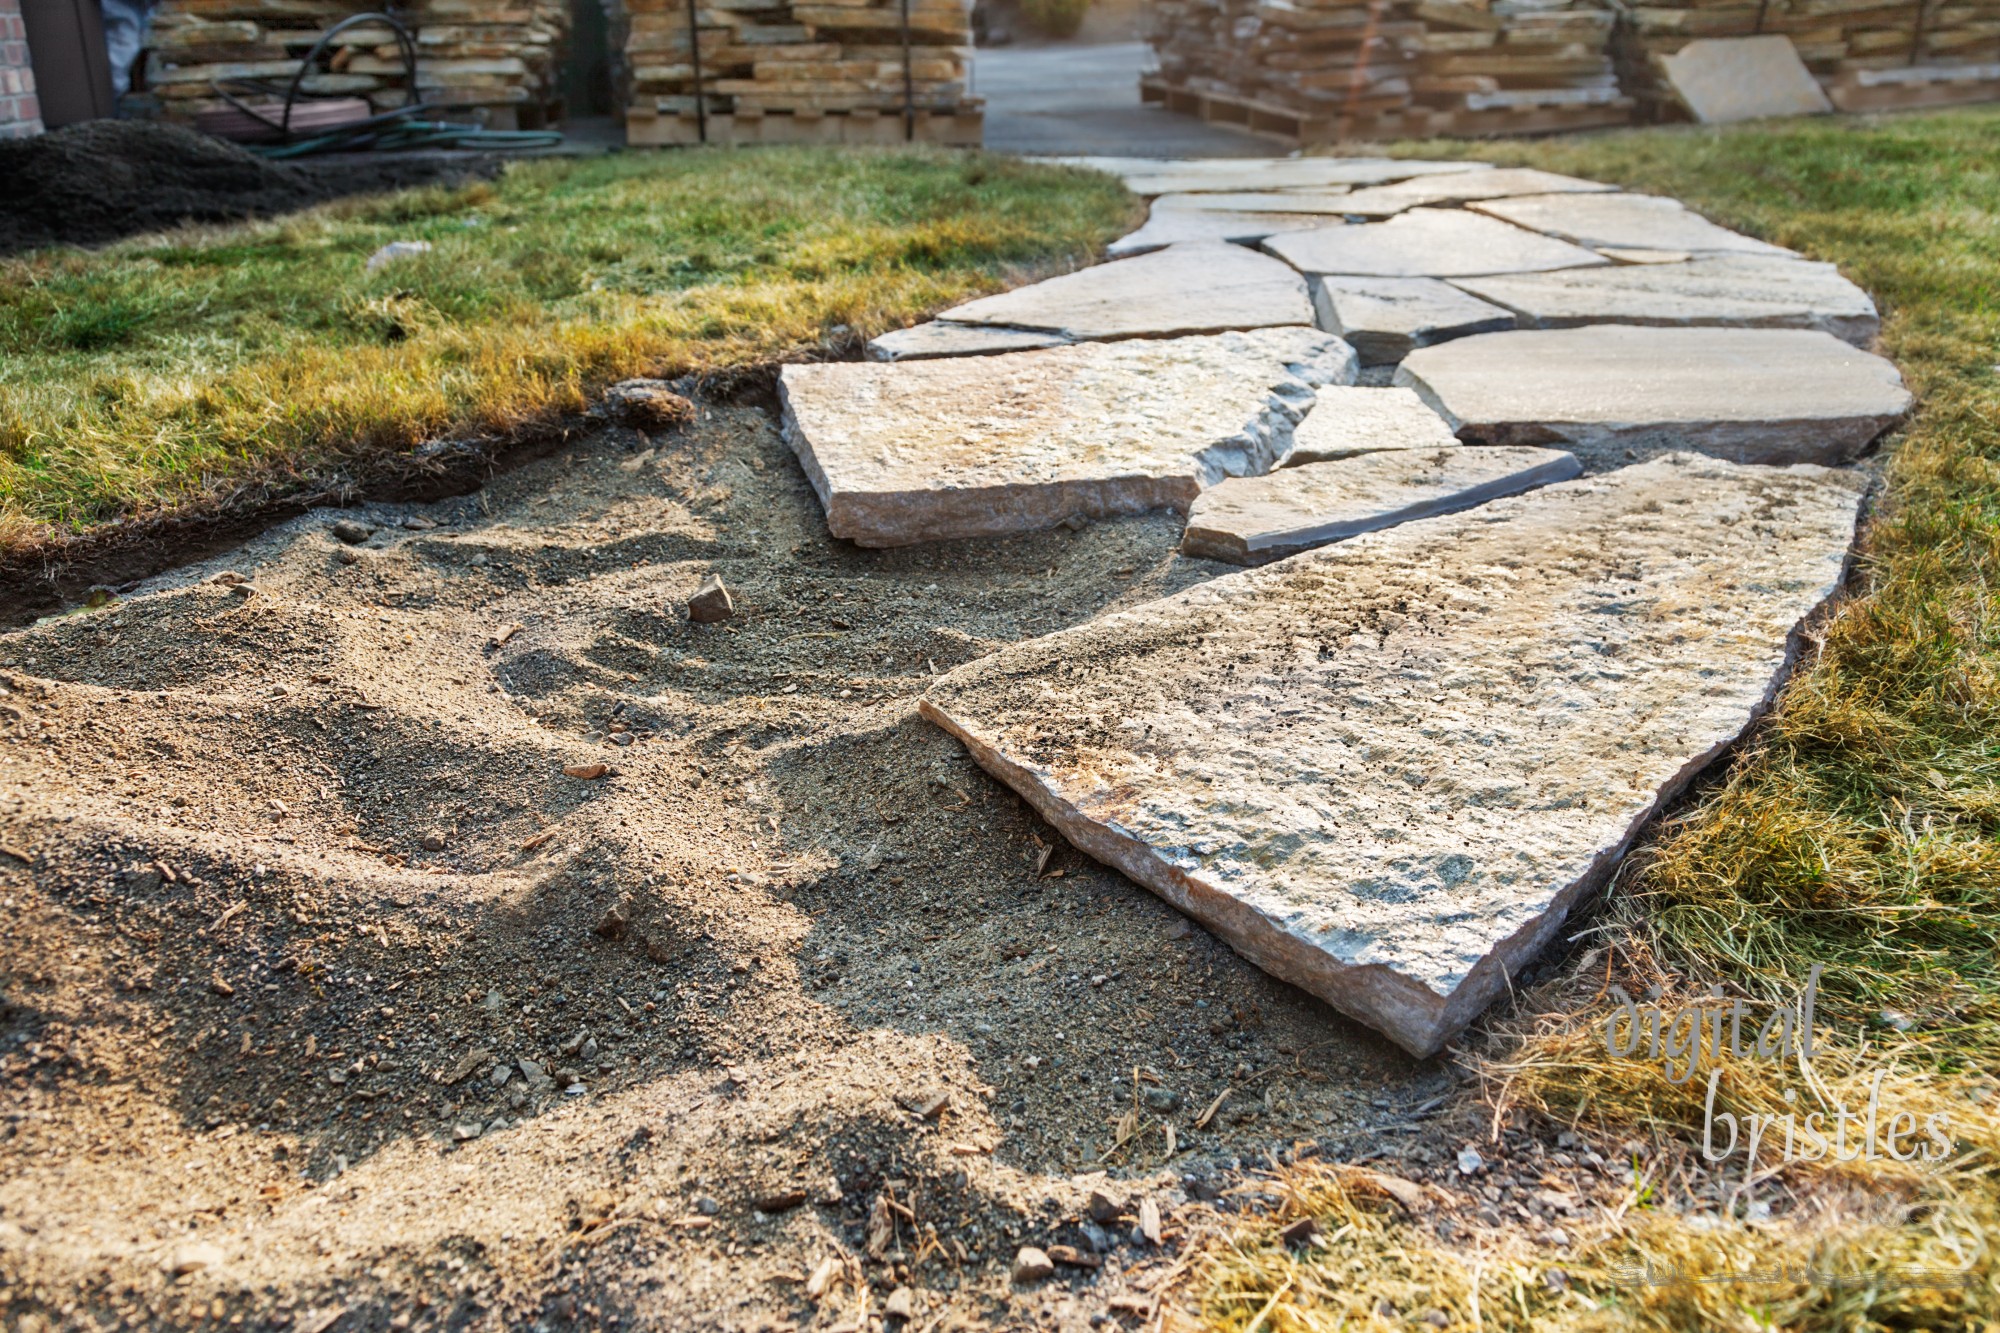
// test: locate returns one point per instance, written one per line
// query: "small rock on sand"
(1032, 1265)
(711, 602)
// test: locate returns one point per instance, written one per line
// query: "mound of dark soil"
(93, 182)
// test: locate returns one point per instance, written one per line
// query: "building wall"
(20, 111)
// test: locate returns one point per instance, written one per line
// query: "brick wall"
(20, 112)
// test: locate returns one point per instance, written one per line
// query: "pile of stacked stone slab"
(1866, 56)
(1539, 482)
(1329, 70)
(828, 71)
(492, 61)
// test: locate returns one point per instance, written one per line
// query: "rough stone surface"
(1493, 183)
(928, 450)
(1255, 520)
(1386, 769)
(1181, 221)
(1427, 243)
(1753, 395)
(1325, 201)
(1741, 291)
(1743, 78)
(1626, 254)
(939, 338)
(1385, 318)
(711, 603)
(1636, 221)
(1204, 287)
(1350, 421)
(1151, 175)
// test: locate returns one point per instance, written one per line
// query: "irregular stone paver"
(1386, 769)
(1626, 254)
(980, 446)
(939, 338)
(1151, 175)
(1386, 317)
(1641, 221)
(1753, 395)
(1743, 78)
(1427, 243)
(1204, 287)
(1180, 222)
(1493, 183)
(1322, 201)
(1350, 421)
(1742, 291)
(1255, 520)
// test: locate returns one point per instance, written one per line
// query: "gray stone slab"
(939, 338)
(984, 446)
(1348, 421)
(1388, 200)
(1180, 222)
(1427, 243)
(1640, 221)
(1203, 287)
(1386, 317)
(1625, 254)
(1743, 78)
(1752, 395)
(1177, 176)
(1738, 291)
(1255, 520)
(1386, 769)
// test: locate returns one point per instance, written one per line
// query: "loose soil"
(299, 892)
(99, 180)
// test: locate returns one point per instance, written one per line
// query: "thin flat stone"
(1255, 520)
(1203, 287)
(1386, 317)
(984, 446)
(1625, 254)
(1180, 222)
(1735, 291)
(1350, 421)
(939, 338)
(1752, 395)
(1322, 201)
(1743, 78)
(1151, 175)
(1494, 183)
(1427, 243)
(1386, 769)
(1643, 221)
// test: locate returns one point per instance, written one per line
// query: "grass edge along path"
(1854, 830)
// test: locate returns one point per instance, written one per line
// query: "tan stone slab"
(1641, 221)
(984, 446)
(1151, 175)
(1386, 317)
(1625, 254)
(1493, 183)
(1743, 78)
(1180, 222)
(1255, 520)
(1322, 201)
(1385, 770)
(939, 338)
(1350, 421)
(1735, 291)
(1203, 287)
(1427, 243)
(1752, 395)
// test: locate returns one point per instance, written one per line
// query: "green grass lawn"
(188, 370)
(1857, 830)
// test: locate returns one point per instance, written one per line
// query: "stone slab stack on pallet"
(830, 71)
(1868, 56)
(495, 60)
(1325, 70)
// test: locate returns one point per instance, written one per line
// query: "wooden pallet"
(1294, 127)
(1913, 86)
(962, 127)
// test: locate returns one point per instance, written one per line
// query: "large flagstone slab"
(1177, 219)
(1386, 318)
(1255, 520)
(1744, 78)
(1462, 187)
(1627, 221)
(1752, 395)
(1349, 421)
(1427, 243)
(1204, 287)
(939, 338)
(982, 446)
(1740, 291)
(1152, 175)
(1385, 770)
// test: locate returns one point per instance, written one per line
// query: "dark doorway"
(586, 72)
